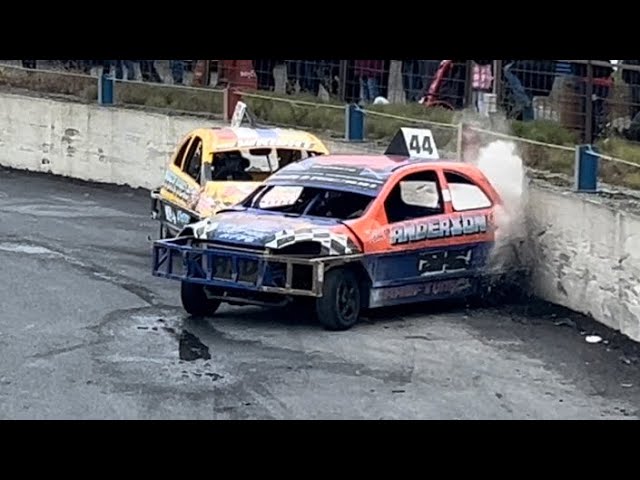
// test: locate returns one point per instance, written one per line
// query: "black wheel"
(195, 300)
(339, 306)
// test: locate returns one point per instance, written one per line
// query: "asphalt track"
(87, 333)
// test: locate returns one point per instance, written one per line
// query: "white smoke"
(503, 166)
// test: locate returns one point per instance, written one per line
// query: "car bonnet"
(274, 230)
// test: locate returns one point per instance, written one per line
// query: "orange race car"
(347, 231)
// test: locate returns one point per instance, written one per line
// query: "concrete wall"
(112, 145)
(587, 255)
(587, 258)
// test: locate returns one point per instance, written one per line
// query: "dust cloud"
(502, 164)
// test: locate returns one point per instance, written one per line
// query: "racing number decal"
(420, 145)
(414, 142)
(444, 261)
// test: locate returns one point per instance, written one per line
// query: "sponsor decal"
(179, 187)
(453, 226)
(176, 217)
(444, 261)
(306, 178)
(435, 288)
(257, 142)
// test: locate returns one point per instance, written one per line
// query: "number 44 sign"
(415, 143)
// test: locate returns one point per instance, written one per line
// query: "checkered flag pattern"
(332, 243)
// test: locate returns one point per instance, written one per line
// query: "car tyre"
(195, 300)
(339, 306)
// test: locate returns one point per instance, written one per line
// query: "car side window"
(414, 196)
(193, 160)
(465, 194)
(181, 153)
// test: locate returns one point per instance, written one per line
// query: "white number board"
(238, 114)
(420, 143)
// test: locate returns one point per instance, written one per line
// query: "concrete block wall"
(587, 257)
(113, 145)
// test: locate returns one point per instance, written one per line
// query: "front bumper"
(241, 269)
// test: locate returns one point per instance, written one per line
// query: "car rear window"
(466, 195)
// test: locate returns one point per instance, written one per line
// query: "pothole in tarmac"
(153, 347)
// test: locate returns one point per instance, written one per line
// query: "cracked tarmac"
(86, 332)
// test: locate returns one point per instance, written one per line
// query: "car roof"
(230, 138)
(379, 162)
(364, 174)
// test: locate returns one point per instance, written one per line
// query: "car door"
(175, 184)
(429, 246)
(182, 183)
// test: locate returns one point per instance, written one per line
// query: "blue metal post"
(354, 123)
(586, 169)
(106, 88)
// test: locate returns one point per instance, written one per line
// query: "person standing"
(177, 71)
(632, 79)
(149, 72)
(369, 73)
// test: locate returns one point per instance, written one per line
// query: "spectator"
(333, 68)
(149, 72)
(238, 74)
(601, 86)
(264, 72)
(328, 73)
(632, 78)
(384, 79)
(177, 71)
(526, 79)
(414, 73)
(301, 72)
(351, 87)
(369, 73)
(120, 66)
(86, 65)
(481, 80)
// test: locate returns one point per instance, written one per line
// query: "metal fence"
(594, 98)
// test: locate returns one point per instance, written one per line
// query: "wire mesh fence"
(591, 97)
(559, 102)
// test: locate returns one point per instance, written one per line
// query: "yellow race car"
(214, 168)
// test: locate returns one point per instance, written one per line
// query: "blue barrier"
(106, 89)
(586, 169)
(354, 123)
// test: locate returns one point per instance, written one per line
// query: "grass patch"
(81, 88)
(169, 97)
(619, 173)
(543, 157)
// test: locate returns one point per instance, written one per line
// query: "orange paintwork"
(372, 230)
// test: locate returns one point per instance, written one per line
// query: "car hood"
(218, 195)
(269, 230)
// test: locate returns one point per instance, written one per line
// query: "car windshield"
(309, 201)
(256, 160)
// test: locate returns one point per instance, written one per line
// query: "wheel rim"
(347, 300)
